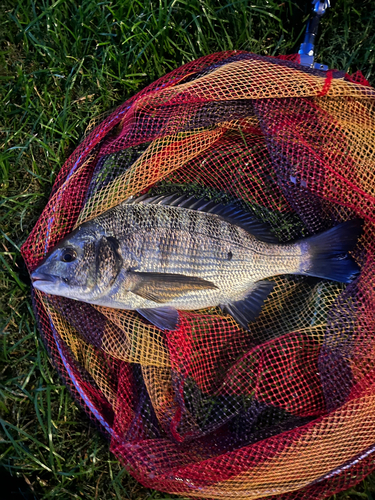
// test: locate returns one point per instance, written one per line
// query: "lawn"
(62, 64)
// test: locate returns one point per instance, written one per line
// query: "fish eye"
(69, 255)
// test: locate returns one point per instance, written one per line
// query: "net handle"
(307, 47)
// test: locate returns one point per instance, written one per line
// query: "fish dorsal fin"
(232, 213)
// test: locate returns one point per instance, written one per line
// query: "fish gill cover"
(286, 409)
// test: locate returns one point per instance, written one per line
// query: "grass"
(62, 63)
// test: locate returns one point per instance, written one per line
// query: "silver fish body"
(157, 258)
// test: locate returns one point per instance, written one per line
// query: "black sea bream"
(159, 255)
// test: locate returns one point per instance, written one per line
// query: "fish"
(163, 254)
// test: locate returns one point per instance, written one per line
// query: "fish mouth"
(41, 280)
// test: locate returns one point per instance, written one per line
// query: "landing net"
(287, 409)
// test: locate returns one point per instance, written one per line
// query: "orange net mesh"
(287, 409)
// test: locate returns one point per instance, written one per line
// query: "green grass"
(62, 63)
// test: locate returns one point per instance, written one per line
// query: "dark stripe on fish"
(232, 213)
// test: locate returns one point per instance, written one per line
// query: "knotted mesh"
(287, 409)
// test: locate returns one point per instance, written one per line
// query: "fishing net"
(210, 410)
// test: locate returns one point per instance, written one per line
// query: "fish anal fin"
(165, 318)
(164, 287)
(248, 309)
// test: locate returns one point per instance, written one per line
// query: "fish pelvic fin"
(248, 309)
(165, 318)
(328, 252)
(164, 287)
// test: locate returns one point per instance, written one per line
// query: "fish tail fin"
(328, 252)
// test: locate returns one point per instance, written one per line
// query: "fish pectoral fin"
(164, 287)
(248, 309)
(165, 318)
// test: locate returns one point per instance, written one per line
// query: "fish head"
(82, 266)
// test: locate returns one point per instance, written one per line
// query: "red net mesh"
(209, 410)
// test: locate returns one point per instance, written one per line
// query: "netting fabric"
(286, 409)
